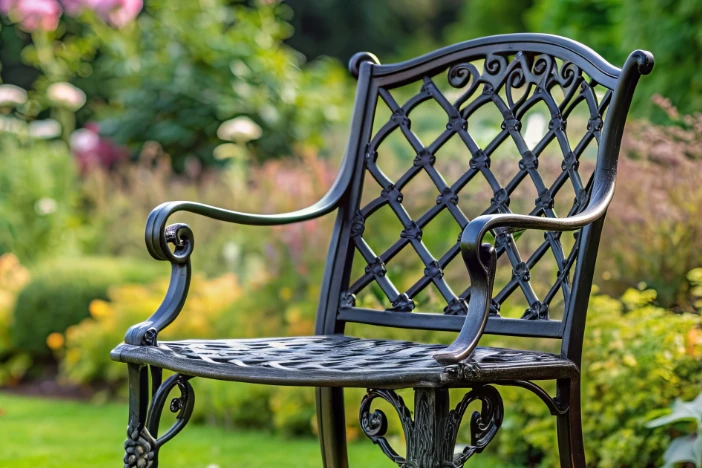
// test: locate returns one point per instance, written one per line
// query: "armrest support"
(158, 235)
(480, 260)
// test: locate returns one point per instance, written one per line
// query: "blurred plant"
(686, 449)
(118, 13)
(184, 71)
(38, 196)
(654, 227)
(61, 51)
(661, 27)
(340, 28)
(476, 19)
(33, 15)
(13, 277)
(59, 295)
(637, 358)
(234, 78)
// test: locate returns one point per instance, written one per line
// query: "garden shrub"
(654, 229)
(637, 359)
(60, 292)
(37, 196)
(86, 356)
(13, 277)
(230, 62)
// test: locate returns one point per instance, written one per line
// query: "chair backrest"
(511, 77)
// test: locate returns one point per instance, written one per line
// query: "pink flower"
(117, 12)
(125, 12)
(33, 15)
(73, 7)
(93, 151)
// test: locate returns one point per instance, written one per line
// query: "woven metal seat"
(509, 76)
(342, 361)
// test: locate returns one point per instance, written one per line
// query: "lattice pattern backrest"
(513, 82)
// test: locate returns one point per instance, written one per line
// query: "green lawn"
(58, 433)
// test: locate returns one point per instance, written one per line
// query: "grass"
(57, 433)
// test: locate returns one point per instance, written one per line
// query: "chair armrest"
(158, 235)
(480, 260)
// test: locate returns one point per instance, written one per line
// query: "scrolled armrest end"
(158, 235)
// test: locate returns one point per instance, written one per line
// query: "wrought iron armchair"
(512, 73)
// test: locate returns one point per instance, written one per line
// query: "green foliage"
(478, 18)
(182, 71)
(37, 197)
(634, 362)
(597, 23)
(686, 448)
(60, 292)
(340, 28)
(616, 27)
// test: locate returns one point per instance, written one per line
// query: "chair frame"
(431, 436)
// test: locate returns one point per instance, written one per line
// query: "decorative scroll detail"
(513, 83)
(483, 425)
(142, 446)
(375, 425)
(554, 405)
(431, 437)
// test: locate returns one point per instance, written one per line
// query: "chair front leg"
(431, 436)
(140, 446)
(143, 444)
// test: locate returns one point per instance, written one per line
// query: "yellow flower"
(54, 341)
(286, 293)
(99, 309)
(694, 342)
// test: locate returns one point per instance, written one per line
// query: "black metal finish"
(143, 443)
(510, 73)
(431, 436)
(343, 361)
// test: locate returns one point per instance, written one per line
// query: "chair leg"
(431, 436)
(332, 427)
(140, 446)
(570, 432)
(143, 444)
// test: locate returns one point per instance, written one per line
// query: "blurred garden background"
(111, 107)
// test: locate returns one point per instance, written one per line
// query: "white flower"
(84, 140)
(45, 206)
(231, 252)
(66, 95)
(11, 95)
(44, 129)
(239, 129)
(535, 130)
